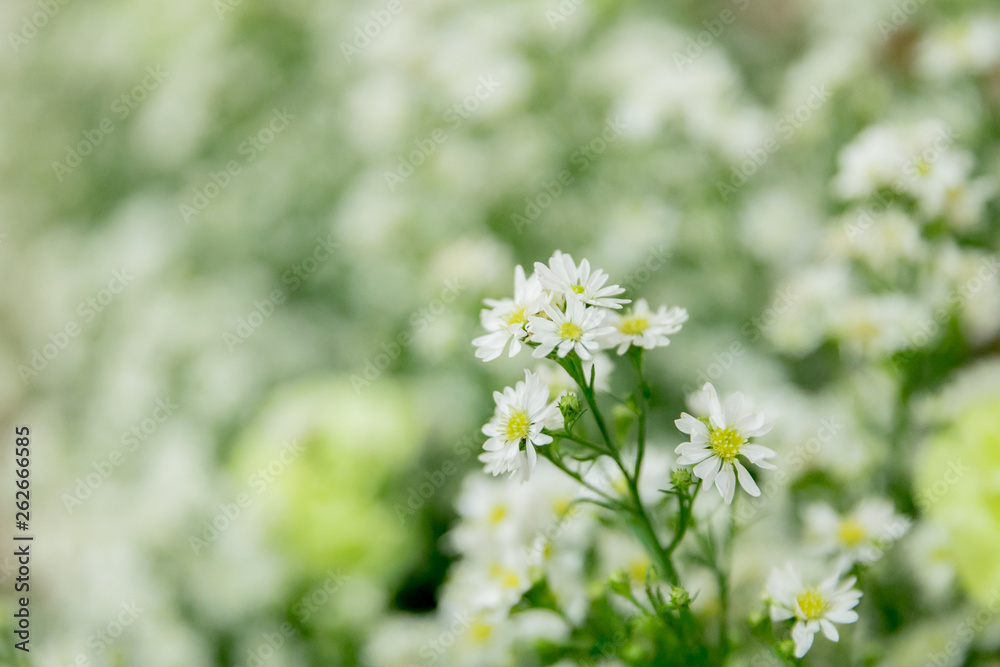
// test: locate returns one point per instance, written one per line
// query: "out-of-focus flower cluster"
(244, 245)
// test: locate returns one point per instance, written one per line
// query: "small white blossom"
(506, 319)
(814, 608)
(861, 534)
(579, 328)
(563, 277)
(522, 412)
(643, 328)
(716, 445)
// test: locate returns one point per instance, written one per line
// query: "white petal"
(780, 613)
(689, 424)
(803, 639)
(725, 481)
(842, 616)
(532, 456)
(829, 630)
(746, 480)
(708, 469)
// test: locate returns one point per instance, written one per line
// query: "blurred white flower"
(814, 608)
(860, 535)
(970, 45)
(644, 328)
(716, 444)
(521, 414)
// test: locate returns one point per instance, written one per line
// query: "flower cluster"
(564, 307)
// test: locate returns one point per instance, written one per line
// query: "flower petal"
(746, 480)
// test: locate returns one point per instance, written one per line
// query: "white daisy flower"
(814, 608)
(505, 319)
(862, 534)
(564, 277)
(521, 414)
(717, 442)
(579, 328)
(644, 328)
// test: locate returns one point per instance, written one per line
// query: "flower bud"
(681, 479)
(570, 407)
(679, 597)
(620, 583)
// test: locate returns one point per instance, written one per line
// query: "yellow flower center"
(517, 426)
(507, 578)
(516, 316)
(498, 514)
(726, 443)
(578, 289)
(570, 331)
(851, 533)
(480, 632)
(923, 167)
(812, 604)
(561, 506)
(637, 569)
(634, 326)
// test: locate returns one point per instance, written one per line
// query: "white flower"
(644, 328)
(862, 534)
(563, 277)
(579, 328)
(506, 318)
(521, 414)
(970, 45)
(814, 608)
(715, 445)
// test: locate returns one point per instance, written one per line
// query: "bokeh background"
(243, 246)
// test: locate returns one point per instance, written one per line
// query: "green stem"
(557, 462)
(683, 517)
(642, 396)
(574, 367)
